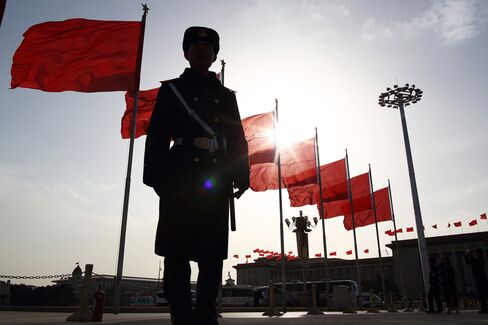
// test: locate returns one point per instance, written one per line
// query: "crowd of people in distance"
(442, 280)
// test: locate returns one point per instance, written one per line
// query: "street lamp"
(398, 97)
(302, 226)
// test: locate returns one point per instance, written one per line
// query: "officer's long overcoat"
(194, 184)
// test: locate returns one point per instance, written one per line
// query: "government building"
(401, 271)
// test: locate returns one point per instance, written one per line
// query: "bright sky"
(63, 162)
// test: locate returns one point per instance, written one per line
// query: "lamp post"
(399, 97)
(302, 226)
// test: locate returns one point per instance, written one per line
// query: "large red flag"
(334, 186)
(79, 55)
(297, 165)
(259, 133)
(361, 200)
(364, 218)
(145, 106)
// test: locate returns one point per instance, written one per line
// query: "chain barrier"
(30, 277)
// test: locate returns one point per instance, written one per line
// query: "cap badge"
(202, 33)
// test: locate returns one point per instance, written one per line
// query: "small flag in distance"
(483, 216)
(318, 255)
(333, 254)
(473, 222)
(349, 252)
(366, 251)
(457, 224)
(236, 256)
(434, 226)
(409, 229)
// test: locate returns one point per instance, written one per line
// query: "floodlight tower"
(398, 97)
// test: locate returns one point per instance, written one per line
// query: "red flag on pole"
(236, 256)
(361, 199)
(390, 233)
(366, 251)
(434, 226)
(146, 101)
(399, 231)
(458, 224)
(349, 252)
(473, 222)
(259, 133)
(448, 225)
(318, 255)
(256, 250)
(297, 165)
(409, 229)
(79, 55)
(483, 216)
(334, 186)
(333, 254)
(248, 256)
(364, 218)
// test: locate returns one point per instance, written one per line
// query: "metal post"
(424, 262)
(402, 284)
(319, 177)
(373, 203)
(398, 97)
(125, 208)
(349, 191)
(282, 240)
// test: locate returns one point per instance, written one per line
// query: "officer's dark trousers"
(177, 288)
(434, 295)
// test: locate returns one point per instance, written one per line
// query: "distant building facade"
(404, 263)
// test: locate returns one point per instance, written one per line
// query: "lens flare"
(209, 184)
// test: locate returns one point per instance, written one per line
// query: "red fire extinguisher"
(99, 300)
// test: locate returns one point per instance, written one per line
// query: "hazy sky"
(63, 162)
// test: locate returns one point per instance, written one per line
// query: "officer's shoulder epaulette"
(229, 90)
(165, 82)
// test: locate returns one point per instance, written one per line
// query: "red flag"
(409, 229)
(457, 224)
(333, 254)
(349, 252)
(265, 252)
(297, 165)
(145, 106)
(248, 256)
(270, 257)
(290, 252)
(448, 225)
(259, 133)
(318, 255)
(366, 251)
(79, 55)
(434, 226)
(399, 231)
(256, 250)
(334, 186)
(364, 218)
(261, 254)
(483, 216)
(473, 222)
(390, 233)
(236, 256)
(360, 195)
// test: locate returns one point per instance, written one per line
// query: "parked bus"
(161, 299)
(238, 295)
(325, 293)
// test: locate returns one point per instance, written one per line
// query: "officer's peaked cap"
(197, 33)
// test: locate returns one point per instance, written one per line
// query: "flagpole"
(373, 203)
(125, 209)
(282, 240)
(319, 178)
(396, 241)
(349, 191)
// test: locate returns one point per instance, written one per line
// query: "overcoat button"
(216, 119)
(214, 160)
(196, 159)
(216, 101)
(195, 99)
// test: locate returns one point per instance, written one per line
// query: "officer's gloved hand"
(241, 187)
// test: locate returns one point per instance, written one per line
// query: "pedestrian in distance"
(434, 295)
(477, 261)
(448, 282)
(196, 177)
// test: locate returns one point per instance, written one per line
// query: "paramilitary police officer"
(196, 176)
